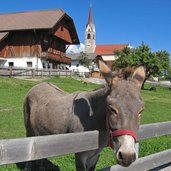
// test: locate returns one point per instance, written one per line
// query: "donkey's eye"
(139, 113)
(112, 110)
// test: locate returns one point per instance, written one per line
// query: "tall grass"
(13, 91)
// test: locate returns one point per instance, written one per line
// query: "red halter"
(124, 132)
(118, 133)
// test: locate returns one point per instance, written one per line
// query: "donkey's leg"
(80, 161)
(92, 161)
(86, 161)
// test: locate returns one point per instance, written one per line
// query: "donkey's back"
(47, 109)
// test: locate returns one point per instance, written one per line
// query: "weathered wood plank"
(144, 163)
(26, 149)
(154, 130)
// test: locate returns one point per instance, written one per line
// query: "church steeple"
(90, 18)
(90, 33)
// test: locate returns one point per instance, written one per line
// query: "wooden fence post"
(137, 149)
(10, 71)
(33, 72)
(42, 73)
(49, 73)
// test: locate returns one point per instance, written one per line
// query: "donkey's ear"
(105, 71)
(139, 75)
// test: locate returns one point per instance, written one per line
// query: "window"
(48, 66)
(62, 28)
(11, 64)
(44, 65)
(29, 64)
(88, 36)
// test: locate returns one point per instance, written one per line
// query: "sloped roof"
(3, 35)
(30, 20)
(44, 19)
(109, 49)
(90, 18)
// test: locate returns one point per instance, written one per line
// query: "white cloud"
(76, 48)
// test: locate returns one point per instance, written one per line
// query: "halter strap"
(118, 132)
(124, 132)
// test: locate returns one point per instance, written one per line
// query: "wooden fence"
(32, 72)
(32, 148)
(153, 161)
(26, 149)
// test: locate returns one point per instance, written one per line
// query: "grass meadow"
(13, 91)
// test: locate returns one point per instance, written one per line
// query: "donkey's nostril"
(120, 157)
(125, 159)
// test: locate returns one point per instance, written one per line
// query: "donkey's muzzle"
(126, 153)
(125, 159)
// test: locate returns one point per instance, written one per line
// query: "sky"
(116, 21)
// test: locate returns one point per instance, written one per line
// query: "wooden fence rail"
(145, 163)
(154, 130)
(31, 72)
(151, 161)
(32, 148)
(26, 149)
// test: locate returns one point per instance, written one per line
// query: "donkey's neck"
(99, 94)
(97, 100)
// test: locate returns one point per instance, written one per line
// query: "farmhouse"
(107, 51)
(36, 39)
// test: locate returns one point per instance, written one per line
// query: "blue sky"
(116, 21)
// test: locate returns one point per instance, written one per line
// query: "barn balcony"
(58, 57)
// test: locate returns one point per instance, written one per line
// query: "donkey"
(113, 110)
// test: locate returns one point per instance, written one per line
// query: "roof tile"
(109, 49)
(30, 20)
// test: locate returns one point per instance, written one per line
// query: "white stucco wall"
(22, 62)
(109, 57)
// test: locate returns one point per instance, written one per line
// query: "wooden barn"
(37, 39)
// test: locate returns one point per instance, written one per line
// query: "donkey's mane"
(124, 73)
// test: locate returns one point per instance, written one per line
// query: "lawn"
(13, 91)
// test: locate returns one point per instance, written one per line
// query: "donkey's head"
(124, 107)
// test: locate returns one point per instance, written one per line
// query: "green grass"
(13, 91)
(157, 105)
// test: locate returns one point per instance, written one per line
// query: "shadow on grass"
(150, 89)
(37, 165)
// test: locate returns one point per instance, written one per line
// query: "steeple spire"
(90, 18)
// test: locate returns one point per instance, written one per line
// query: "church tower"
(90, 33)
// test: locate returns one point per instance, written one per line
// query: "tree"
(83, 59)
(169, 73)
(154, 62)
